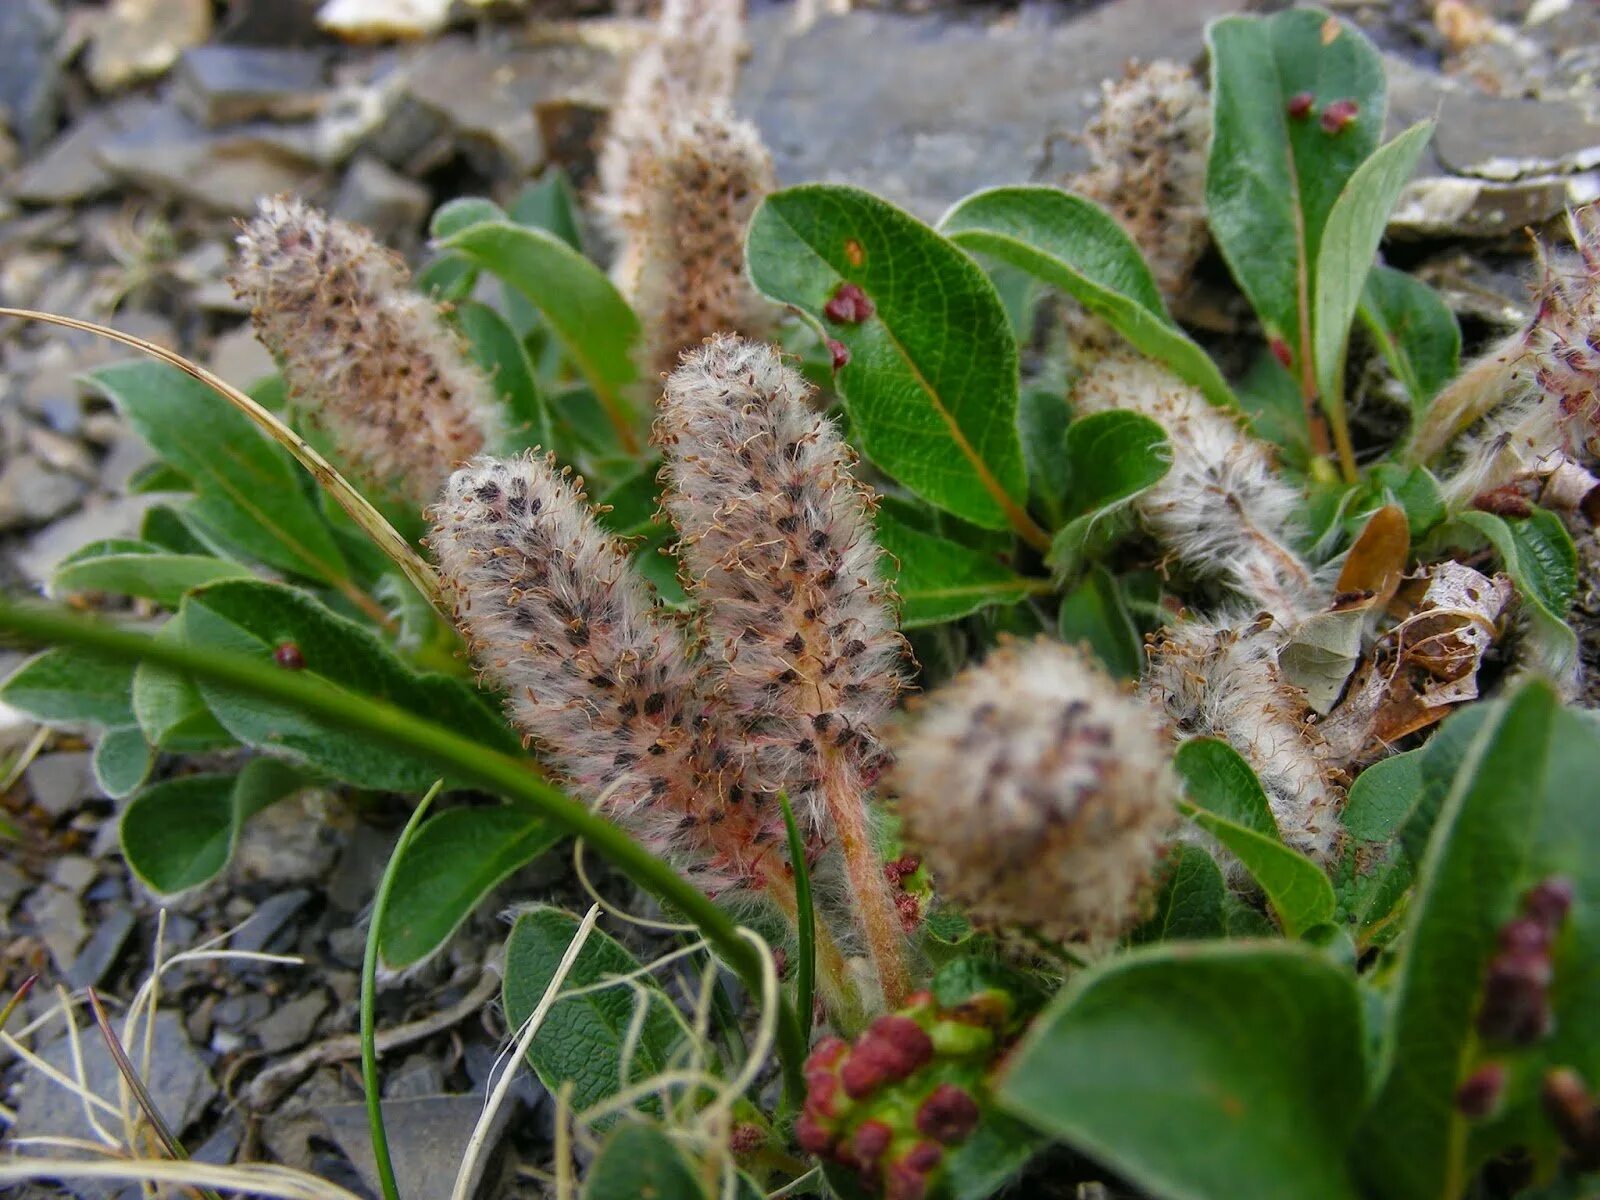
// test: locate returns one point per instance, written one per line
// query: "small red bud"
(1338, 115)
(1516, 1006)
(1524, 936)
(1504, 501)
(1571, 1109)
(904, 1182)
(870, 1141)
(1478, 1096)
(1300, 105)
(1548, 903)
(745, 1138)
(908, 1041)
(1281, 352)
(288, 656)
(840, 352)
(849, 305)
(813, 1138)
(825, 1054)
(910, 910)
(948, 1115)
(924, 1156)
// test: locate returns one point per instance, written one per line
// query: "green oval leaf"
(582, 1038)
(1542, 560)
(1215, 1071)
(501, 354)
(1191, 903)
(638, 1161)
(126, 568)
(931, 384)
(1271, 179)
(1072, 243)
(248, 490)
(1349, 243)
(122, 760)
(254, 618)
(455, 860)
(69, 687)
(940, 580)
(1219, 780)
(1415, 331)
(1113, 457)
(1094, 614)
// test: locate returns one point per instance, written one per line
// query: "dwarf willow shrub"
(1305, 905)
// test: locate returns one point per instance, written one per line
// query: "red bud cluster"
(1516, 993)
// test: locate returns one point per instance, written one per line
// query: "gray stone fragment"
(178, 1081)
(223, 1144)
(240, 358)
(924, 110)
(243, 1012)
(56, 916)
(30, 73)
(420, 1075)
(426, 1137)
(140, 39)
(74, 872)
(373, 195)
(217, 84)
(110, 934)
(32, 493)
(58, 783)
(117, 517)
(12, 884)
(290, 1025)
(262, 927)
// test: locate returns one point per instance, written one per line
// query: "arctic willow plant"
(1241, 842)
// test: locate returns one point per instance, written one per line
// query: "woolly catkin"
(1221, 679)
(779, 553)
(1039, 792)
(558, 617)
(1147, 150)
(365, 356)
(1222, 511)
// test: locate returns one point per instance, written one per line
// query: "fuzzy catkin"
(1221, 679)
(779, 553)
(1540, 388)
(558, 617)
(1039, 792)
(1222, 511)
(1147, 152)
(368, 358)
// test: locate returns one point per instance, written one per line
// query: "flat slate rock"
(426, 1138)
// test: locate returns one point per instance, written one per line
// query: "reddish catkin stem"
(778, 551)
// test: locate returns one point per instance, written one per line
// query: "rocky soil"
(133, 133)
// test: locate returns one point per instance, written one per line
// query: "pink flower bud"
(1480, 1094)
(1339, 114)
(1300, 105)
(849, 305)
(872, 1138)
(948, 1115)
(840, 353)
(1549, 902)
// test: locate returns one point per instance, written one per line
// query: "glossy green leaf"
(940, 580)
(500, 352)
(248, 489)
(549, 203)
(1073, 244)
(1113, 457)
(161, 526)
(581, 1041)
(1042, 418)
(1414, 330)
(180, 833)
(455, 860)
(122, 567)
(1349, 244)
(1218, 779)
(69, 687)
(122, 760)
(1212, 1071)
(1299, 892)
(1190, 903)
(1095, 615)
(1272, 179)
(931, 385)
(639, 1161)
(1413, 1139)
(464, 211)
(1415, 490)
(595, 324)
(1539, 555)
(1376, 870)
(255, 618)
(170, 710)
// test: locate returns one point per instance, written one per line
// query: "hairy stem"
(879, 918)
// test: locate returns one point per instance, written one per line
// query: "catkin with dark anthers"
(778, 552)
(1038, 791)
(1147, 153)
(558, 617)
(366, 357)
(1221, 510)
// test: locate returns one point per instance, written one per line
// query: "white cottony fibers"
(1221, 679)
(1540, 388)
(1038, 791)
(367, 357)
(682, 259)
(779, 553)
(558, 617)
(1222, 511)
(1147, 151)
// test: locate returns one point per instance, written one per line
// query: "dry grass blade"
(17, 998)
(361, 511)
(141, 1094)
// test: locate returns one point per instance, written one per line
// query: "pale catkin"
(1147, 152)
(363, 354)
(779, 553)
(1039, 792)
(558, 617)
(1533, 402)
(1221, 510)
(1221, 679)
